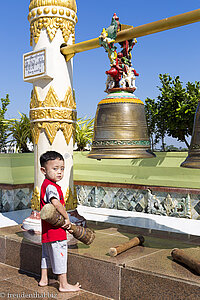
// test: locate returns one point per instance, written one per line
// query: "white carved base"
(33, 223)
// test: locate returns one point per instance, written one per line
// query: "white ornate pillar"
(53, 107)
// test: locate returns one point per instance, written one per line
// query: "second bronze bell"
(193, 158)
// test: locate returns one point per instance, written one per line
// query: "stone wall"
(173, 202)
(15, 197)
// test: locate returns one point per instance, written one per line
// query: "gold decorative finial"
(71, 4)
(51, 15)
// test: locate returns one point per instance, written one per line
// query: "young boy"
(54, 240)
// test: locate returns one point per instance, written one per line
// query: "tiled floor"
(23, 285)
(153, 256)
(152, 262)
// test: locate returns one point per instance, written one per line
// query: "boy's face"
(54, 170)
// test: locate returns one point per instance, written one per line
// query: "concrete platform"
(144, 272)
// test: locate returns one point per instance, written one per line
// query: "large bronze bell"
(120, 129)
(193, 158)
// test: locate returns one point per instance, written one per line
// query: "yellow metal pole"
(134, 32)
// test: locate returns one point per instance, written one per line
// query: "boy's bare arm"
(61, 210)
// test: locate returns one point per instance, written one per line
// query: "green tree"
(157, 126)
(172, 148)
(151, 112)
(162, 122)
(178, 106)
(21, 133)
(3, 126)
(172, 113)
(84, 132)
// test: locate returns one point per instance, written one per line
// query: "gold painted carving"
(35, 200)
(52, 114)
(52, 99)
(70, 199)
(52, 24)
(71, 4)
(51, 127)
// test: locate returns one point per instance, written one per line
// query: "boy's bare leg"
(65, 286)
(44, 277)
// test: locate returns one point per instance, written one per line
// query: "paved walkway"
(16, 284)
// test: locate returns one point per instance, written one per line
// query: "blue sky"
(175, 51)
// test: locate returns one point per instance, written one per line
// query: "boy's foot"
(70, 288)
(42, 283)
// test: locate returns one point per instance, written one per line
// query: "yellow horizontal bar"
(121, 100)
(134, 32)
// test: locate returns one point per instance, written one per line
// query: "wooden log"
(83, 234)
(50, 214)
(180, 256)
(139, 240)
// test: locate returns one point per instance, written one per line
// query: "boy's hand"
(67, 224)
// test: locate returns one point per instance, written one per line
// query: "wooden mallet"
(136, 241)
(180, 256)
(50, 214)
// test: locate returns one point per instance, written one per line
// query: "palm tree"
(20, 131)
(84, 132)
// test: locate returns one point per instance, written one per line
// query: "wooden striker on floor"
(139, 240)
(50, 214)
(180, 256)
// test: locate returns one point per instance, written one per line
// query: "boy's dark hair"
(49, 155)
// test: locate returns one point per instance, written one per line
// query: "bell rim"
(133, 154)
(192, 164)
